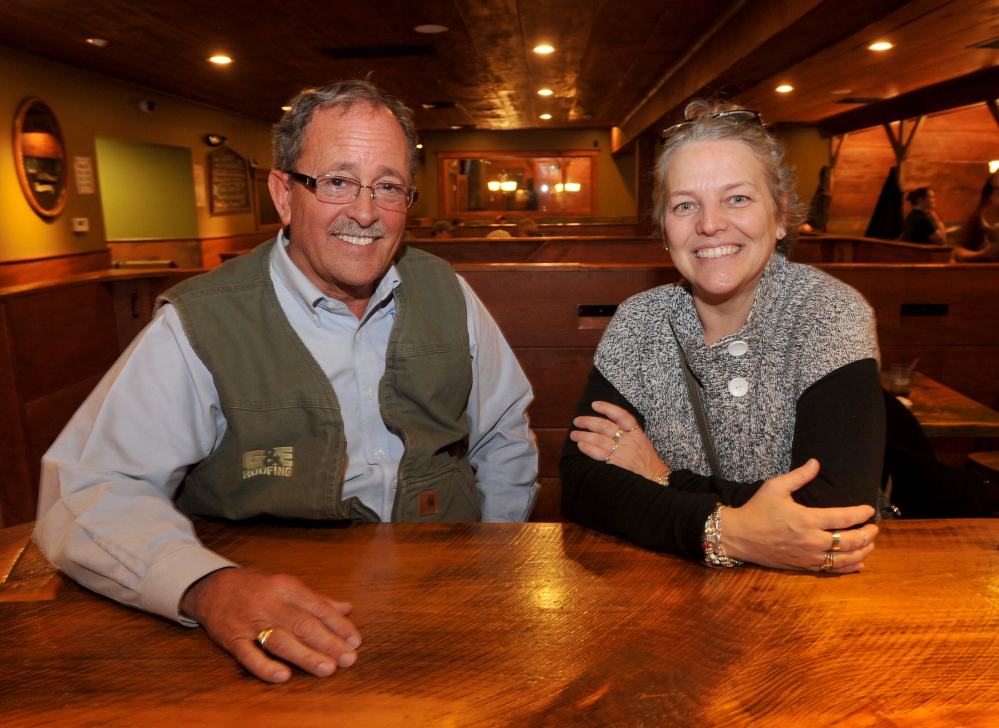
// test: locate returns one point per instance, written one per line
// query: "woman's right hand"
(773, 530)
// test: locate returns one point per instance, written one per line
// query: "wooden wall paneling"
(548, 503)
(18, 272)
(134, 297)
(537, 305)
(550, 442)
(637, 251)
(973, 369)
(56, 348)
(45, 418)
(479, 250)
(864, 161)
(558, 376)
(13, 444)
(212, 248)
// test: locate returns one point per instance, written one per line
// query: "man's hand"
(309, 630)
(773, 530)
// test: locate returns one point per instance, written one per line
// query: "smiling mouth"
(356, 239)
(718, 252)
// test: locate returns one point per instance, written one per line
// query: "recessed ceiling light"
(882, 45)
(99, 42)
(543, 49)
(221, 60)
(546, 116)
(431, 28)
(545, 92)
(785, 88)
(285, 108)
(456, 126)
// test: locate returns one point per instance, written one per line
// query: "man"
(330, 374)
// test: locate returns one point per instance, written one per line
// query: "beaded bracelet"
(714, 551)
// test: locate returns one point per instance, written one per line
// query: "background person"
(331, 374)
(980, 236)
(783, 356)
(923, 224)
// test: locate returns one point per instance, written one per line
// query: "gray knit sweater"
(804, 324)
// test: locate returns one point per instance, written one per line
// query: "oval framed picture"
(40, 157)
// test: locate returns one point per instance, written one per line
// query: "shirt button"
(378, 454)
(315, 318)
(737, 348)
(358, 336)
(371, 394)
(738, 387)
(330, 306)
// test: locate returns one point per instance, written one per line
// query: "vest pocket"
(447, 490)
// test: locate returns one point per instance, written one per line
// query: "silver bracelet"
(714, 551)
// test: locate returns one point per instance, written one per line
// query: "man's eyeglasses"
(341, 190)
(735, 116)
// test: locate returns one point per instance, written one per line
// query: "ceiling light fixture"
(431, 28)
(99, 42)
(881, 45)
(543, 49)
(545, 92)
(546, 116)
(784, 89)
(221, 60)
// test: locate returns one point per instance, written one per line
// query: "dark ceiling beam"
(973, 88)
(751, 26)
(761, 41)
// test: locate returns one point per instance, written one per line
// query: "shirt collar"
(305, 292)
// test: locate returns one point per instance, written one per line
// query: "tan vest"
(284, 447)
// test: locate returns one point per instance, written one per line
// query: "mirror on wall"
(40, 156)
(517, 184)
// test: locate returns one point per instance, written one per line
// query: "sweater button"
(738, 348)
(738, 387)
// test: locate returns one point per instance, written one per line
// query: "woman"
(783, 357)
(923, 224)
(980, 237)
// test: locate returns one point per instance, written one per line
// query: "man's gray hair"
(289, 133)
(705, 126)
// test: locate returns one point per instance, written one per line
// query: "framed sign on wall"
(230, 186)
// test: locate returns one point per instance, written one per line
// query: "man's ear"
(280, 186)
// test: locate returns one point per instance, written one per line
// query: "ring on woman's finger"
(632, 429)
(836, 539)
(607, 459)
(864, 534)
(829, 563)
(618, 435)
(263, 637)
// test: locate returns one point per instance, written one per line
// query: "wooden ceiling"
(630, 64)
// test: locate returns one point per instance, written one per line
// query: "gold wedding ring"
(829, 563)
(618, 435)
(864, 534)
(262, 638)
(632, 429)
(836, 539)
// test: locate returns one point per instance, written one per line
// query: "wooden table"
(541, 625)
(944, 412)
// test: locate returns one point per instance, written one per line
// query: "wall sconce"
(214, 140)
(508, 186)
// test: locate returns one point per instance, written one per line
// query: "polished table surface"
(944, 412)
(537, 625)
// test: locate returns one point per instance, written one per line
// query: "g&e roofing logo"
(275, 461)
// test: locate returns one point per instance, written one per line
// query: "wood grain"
(546, 625)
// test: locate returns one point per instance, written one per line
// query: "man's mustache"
(353, 229)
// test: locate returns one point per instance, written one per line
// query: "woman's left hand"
(617, 439)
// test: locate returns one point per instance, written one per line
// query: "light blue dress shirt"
(106, 515)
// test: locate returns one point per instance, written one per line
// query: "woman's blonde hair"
(703, 124)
